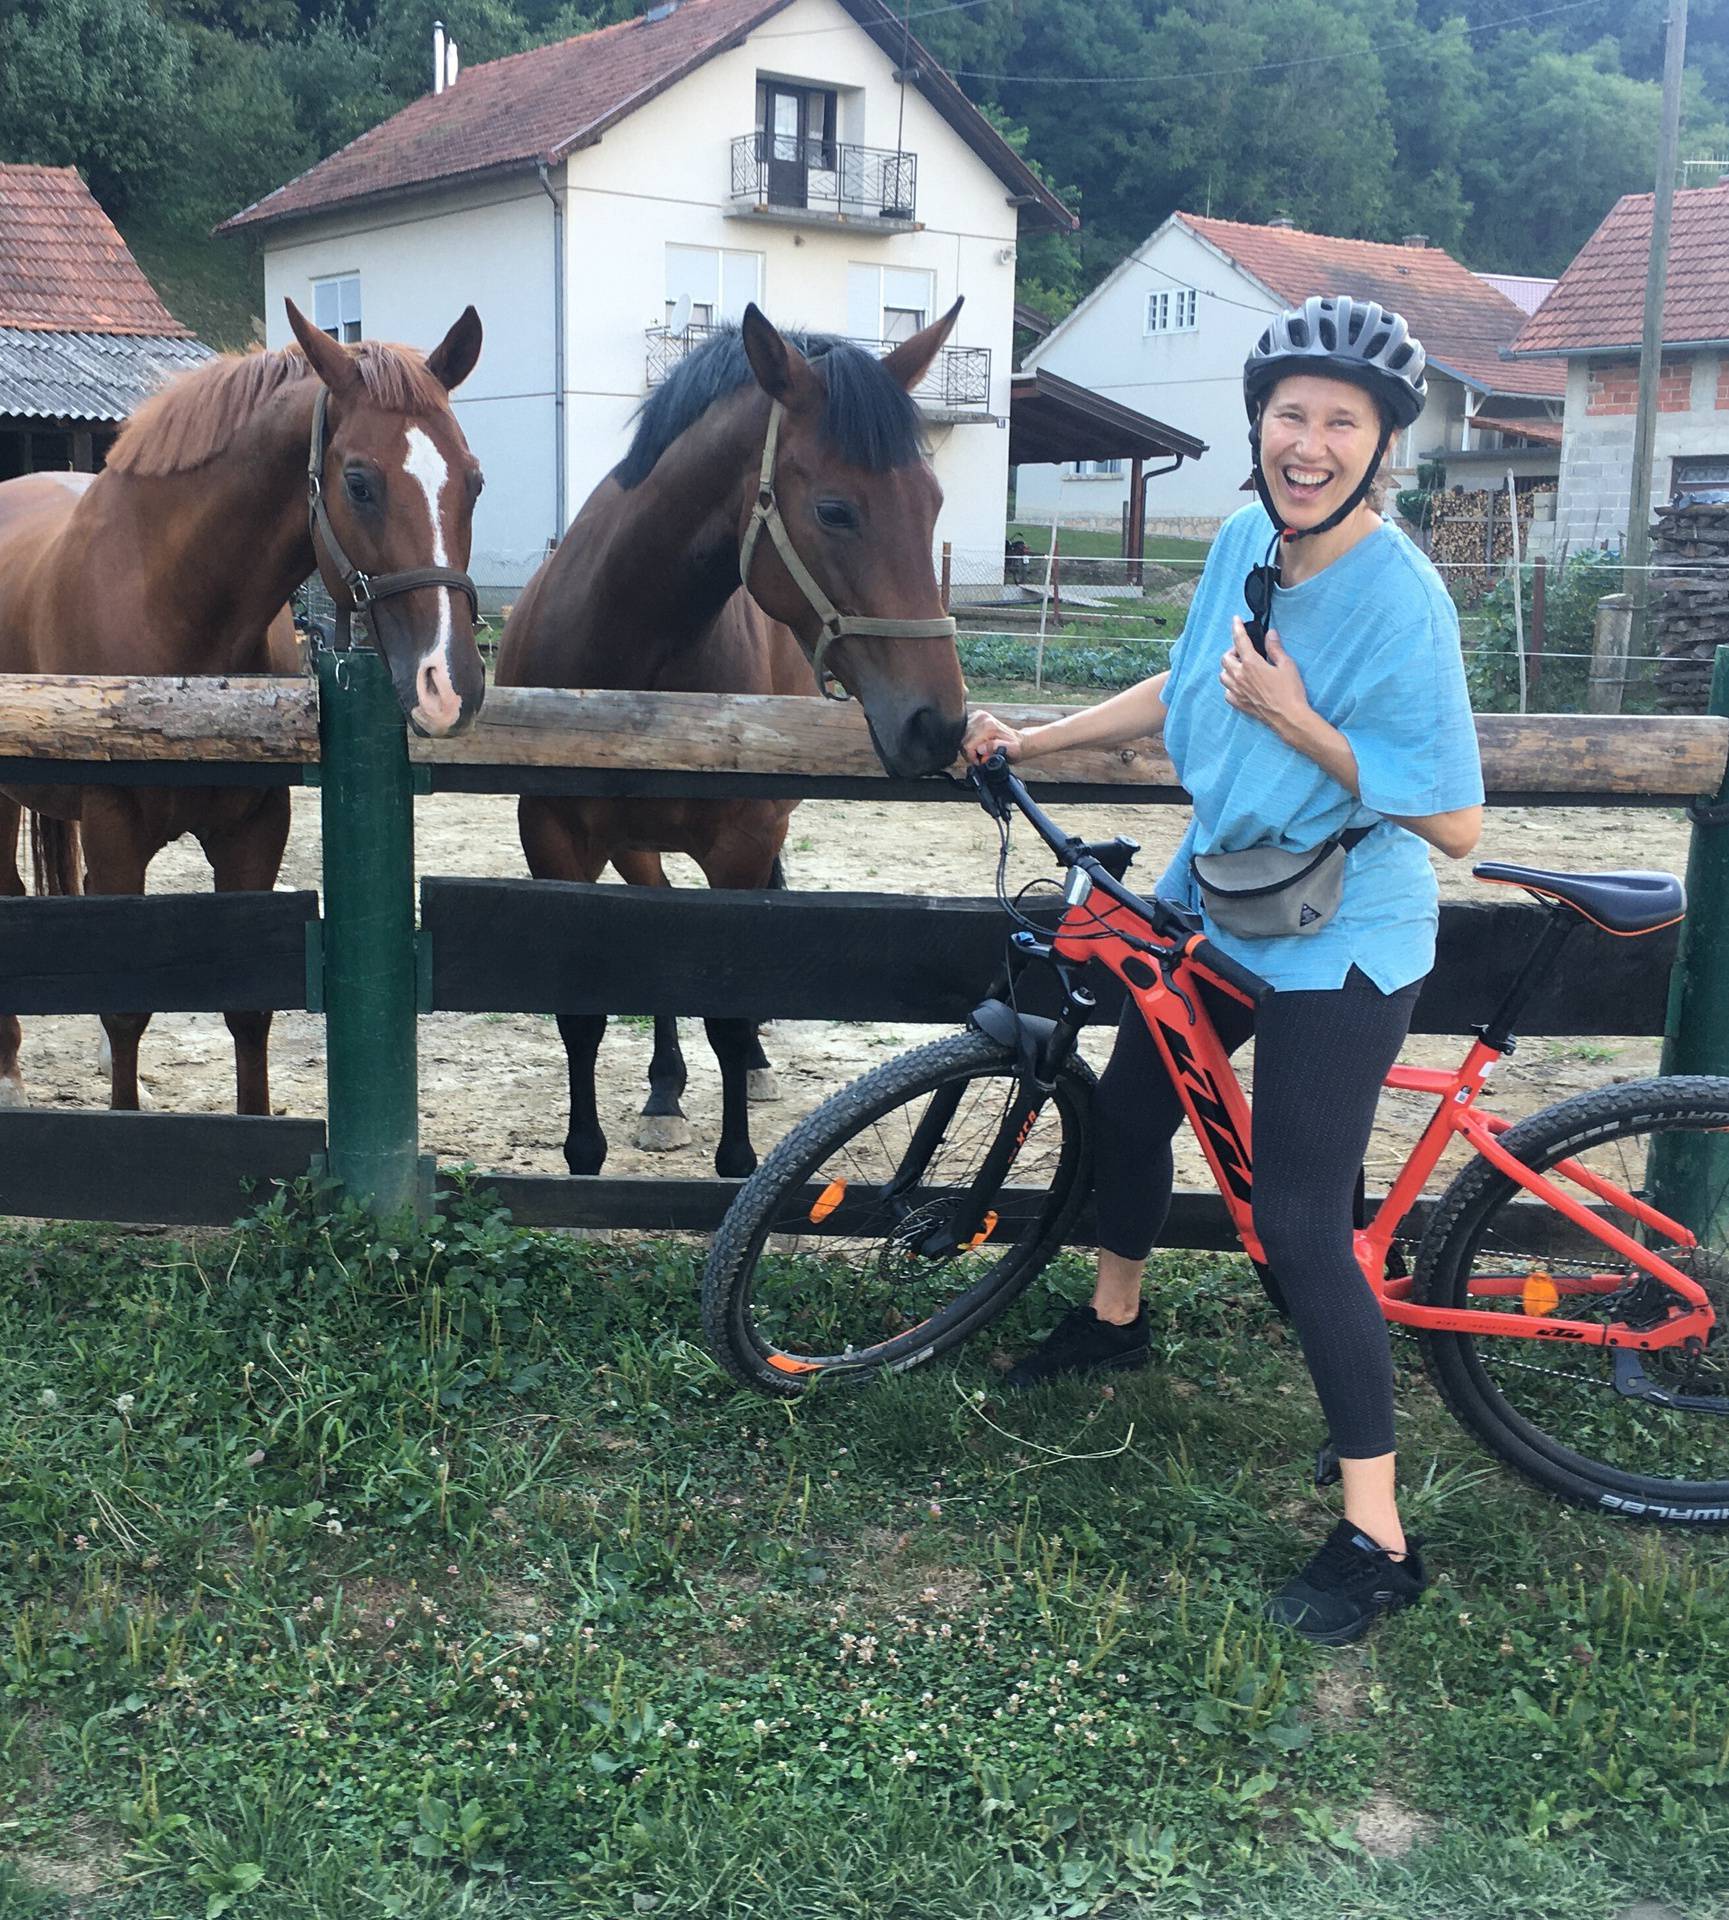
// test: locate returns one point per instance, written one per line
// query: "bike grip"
(1233, 973)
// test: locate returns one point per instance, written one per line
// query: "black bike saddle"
(1628, 902)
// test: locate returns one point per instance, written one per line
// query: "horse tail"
(56, 855)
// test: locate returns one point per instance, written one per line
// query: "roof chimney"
(438, 56)
(1418, 240)
(1282, 220)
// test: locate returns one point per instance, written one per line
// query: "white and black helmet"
(1344, 339)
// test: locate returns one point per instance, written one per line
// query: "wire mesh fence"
(1076, 624)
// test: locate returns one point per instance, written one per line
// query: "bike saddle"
(1628, 902)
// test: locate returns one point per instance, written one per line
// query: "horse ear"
(452, 360)
(911, 360)
(781, 370)
(330, 362)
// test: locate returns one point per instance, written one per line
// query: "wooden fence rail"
(704, 741)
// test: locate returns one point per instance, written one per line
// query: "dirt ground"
(492, 1085)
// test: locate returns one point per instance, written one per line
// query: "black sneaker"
(1081, 1342)
(1346, 1587)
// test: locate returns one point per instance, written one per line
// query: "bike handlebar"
(999, 790)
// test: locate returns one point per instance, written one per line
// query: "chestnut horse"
(817, 442)
(179, 558)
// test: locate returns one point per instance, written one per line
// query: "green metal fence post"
(1696, 1033)
(369, 961)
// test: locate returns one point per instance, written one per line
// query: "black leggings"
(1320, 1058)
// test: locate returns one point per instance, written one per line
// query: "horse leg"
(124, 829)
(761, 1087)
(556, 839)
(11, 888)
(246, 858)
(663, 1127)
(745, 854)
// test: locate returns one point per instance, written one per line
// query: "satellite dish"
(679, 318)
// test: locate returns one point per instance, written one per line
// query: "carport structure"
(1053, 420)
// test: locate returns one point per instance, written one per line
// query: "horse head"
(398, 486)
(857, 504)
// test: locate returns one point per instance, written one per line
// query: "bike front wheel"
(840, 1255)
(1644, 1433)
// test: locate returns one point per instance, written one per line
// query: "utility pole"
(1651, 347)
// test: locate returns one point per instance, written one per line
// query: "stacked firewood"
(1689, 601)
(1470, 537)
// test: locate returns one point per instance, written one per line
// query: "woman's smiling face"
(1317, 439)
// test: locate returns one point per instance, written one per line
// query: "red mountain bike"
(1568, 1291)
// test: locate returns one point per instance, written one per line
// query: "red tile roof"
(64, 268)
(1462, 322)
(537, 107)
(1600, 302)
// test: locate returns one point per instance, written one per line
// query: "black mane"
(870, 416)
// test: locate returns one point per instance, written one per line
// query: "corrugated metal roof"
(87, 376)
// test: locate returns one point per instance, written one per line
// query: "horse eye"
(359, 487)
(836, 514)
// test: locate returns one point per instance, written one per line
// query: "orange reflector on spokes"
(784, 1363)
(826, 1201)
(1539, 1295)
(984, 1232)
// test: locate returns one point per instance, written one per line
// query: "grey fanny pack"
(1265, 893)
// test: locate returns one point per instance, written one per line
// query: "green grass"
(444, 1574)
(215, 287)
(1103, 543)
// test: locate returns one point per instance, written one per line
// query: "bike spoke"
(851, 1262)
(1534, 1266)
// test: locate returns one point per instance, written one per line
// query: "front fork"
(1042, 1049)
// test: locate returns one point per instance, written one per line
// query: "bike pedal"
(1327, 1471)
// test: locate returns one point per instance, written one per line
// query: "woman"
(1354, 723)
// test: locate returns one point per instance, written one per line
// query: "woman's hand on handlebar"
(985, 735)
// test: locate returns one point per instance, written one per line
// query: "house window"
(1171, 310)
(336, 307)
(718, 282)
(888, 303)
(1706, 476)
(1096, 469)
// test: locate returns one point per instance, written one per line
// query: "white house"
(1168, 330)
(604, 200)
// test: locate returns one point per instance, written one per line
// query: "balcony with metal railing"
(957, 387)
(804, 180)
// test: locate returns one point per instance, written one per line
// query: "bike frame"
(1163, 990)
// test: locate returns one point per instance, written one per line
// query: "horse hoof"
(12, 1095)
(761, 1087)
(662, 1132)
(739, 1164)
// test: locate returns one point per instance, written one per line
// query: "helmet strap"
(1358, 495)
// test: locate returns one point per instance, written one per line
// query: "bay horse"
(662, 582)
(221, 495)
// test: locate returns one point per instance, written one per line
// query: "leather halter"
(835, 624)
(362, 589)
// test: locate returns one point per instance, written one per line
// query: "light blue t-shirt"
(1376, 640)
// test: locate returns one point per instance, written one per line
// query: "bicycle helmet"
(1342, 339)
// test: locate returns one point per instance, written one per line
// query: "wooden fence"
(543, 947)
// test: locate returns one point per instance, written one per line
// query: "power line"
(1265, 66)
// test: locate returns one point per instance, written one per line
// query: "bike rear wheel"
(1641, 1433)
(836, 1258)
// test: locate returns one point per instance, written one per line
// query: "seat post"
(1498, 1033)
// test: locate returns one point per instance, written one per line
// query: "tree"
(95, 84)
